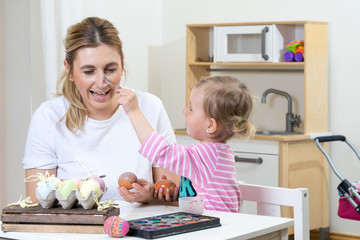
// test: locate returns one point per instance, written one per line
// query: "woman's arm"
(30, 186)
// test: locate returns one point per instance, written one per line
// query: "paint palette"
(170, 224)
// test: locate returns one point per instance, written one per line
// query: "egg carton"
(46, 201)
(89, 201)
(69, 201)
(48, 196)
(54, 197)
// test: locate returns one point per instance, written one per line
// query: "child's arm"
(128, 100)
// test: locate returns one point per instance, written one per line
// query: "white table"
(233, 226)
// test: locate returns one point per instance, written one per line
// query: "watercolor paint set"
(170, 224)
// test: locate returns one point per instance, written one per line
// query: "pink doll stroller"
(349, 201)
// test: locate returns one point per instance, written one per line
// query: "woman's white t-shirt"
(108, 147)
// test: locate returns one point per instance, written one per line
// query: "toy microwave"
(258, 43)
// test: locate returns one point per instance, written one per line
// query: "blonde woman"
(85, 123)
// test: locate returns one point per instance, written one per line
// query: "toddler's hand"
(166, 197)
(127, 99)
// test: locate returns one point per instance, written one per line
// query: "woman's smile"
(100, 96)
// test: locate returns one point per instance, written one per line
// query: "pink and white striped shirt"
(210, 167)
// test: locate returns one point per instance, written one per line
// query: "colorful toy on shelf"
(295, 51)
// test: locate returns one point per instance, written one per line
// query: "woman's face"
(91, 66)
(196, 119)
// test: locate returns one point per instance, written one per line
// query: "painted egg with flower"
(116, 226)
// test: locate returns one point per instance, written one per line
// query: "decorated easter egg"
(101, 182)
(165, 184)
(116, 226)
(88, 186)
(44, 188)
(77, 181)
(66, 187)
(126, 179)
(56, 181)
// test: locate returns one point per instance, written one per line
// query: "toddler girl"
(220, 107)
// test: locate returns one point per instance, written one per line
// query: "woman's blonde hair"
(90, 32)
(229, 102)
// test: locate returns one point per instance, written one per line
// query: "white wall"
(15, 94)
(154, 36)
(139, 25)
(3, 184)
(344, 99)
(38, 91)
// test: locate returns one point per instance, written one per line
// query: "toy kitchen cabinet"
(291, 161)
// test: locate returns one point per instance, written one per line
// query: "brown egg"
(165, 184)
(126, 179)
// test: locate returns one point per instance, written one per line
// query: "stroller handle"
(345, 187)
(318, 140)
(331, 138)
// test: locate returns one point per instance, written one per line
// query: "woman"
(84, 125)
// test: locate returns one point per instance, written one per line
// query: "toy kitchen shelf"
(199, 63)
(299, 162)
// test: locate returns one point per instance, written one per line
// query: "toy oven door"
(243, 43)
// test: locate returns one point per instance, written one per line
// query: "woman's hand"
(144, 192)
(166, 197)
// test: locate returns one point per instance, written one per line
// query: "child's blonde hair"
(229, 102)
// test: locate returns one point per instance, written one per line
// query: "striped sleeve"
(197, 161)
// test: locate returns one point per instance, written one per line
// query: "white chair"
(270, 199)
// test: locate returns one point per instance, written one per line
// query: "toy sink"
(274, 133)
